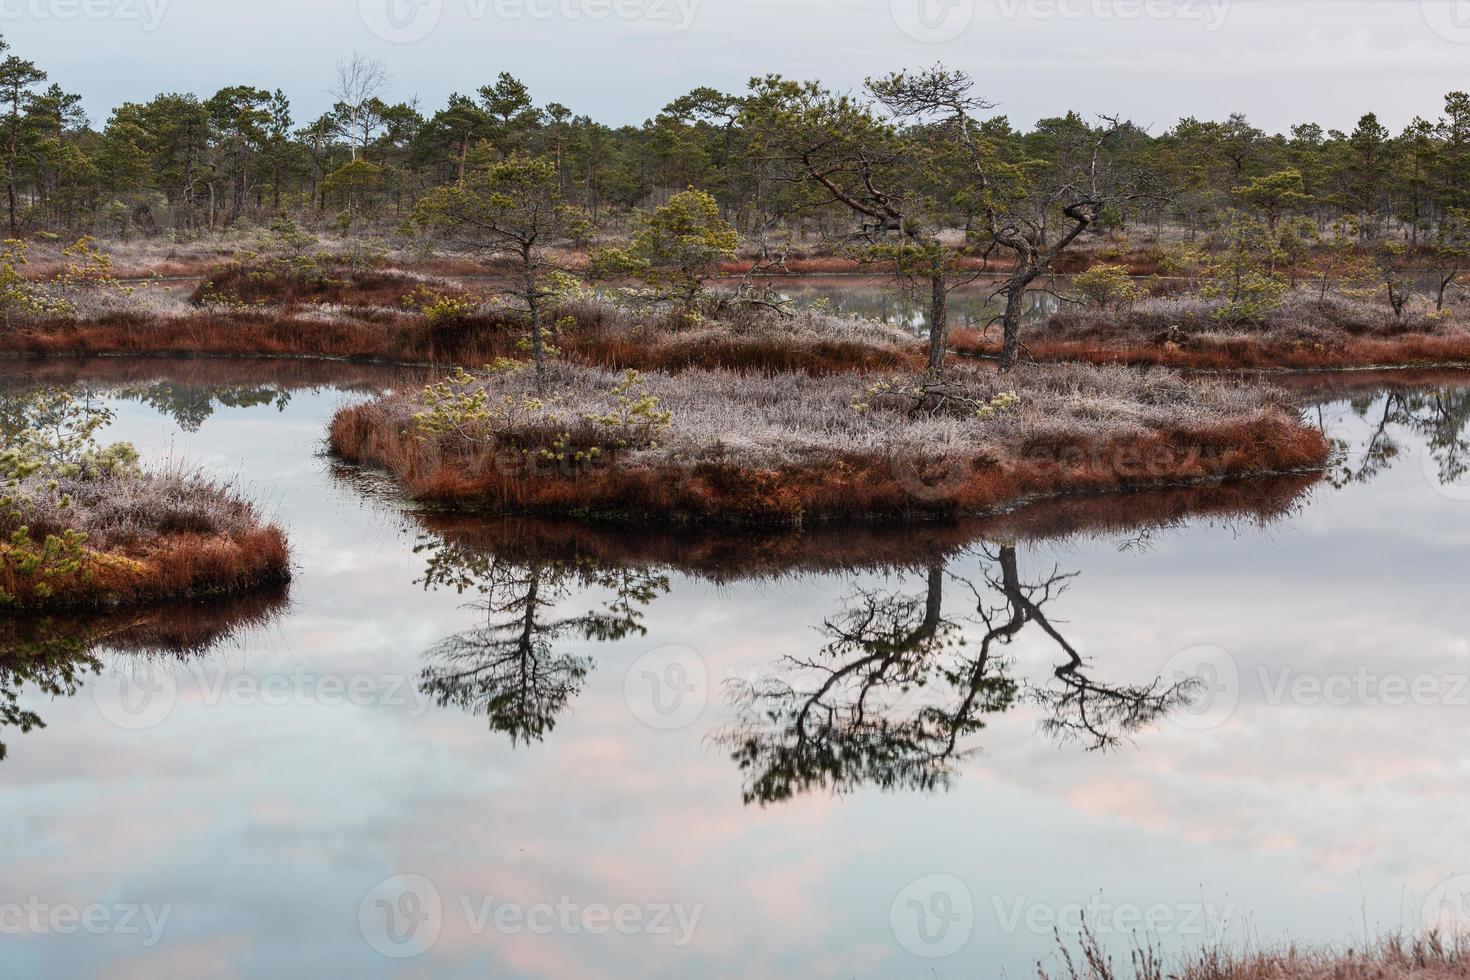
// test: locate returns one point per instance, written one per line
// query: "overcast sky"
(1279, 61)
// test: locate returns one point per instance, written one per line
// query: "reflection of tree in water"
(510, 668)
(52, 656)
(192, 405)
(891, 697)
(50, 659)
(1438, 418)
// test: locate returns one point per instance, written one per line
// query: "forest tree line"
(182, 164)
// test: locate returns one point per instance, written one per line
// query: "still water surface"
(469, 748)
(972, 305)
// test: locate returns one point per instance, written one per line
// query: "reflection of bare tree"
(1438, 418)
(509, 668)
(1080, 709)
(892, 697)
(838, 719)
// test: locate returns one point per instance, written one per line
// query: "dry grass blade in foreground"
(1428, 957)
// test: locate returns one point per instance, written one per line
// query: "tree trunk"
(1444, 284)
(1015, 294)
(533, 307)
(938, 321)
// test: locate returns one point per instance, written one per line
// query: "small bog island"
(83, 525)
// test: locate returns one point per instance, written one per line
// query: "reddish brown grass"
(173, 566)
(844, 487)
(401, 338)
(278, 285)
(1138, 262)
(1236, 352)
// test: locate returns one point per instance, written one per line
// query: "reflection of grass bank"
(81, 525)
(712, 447)
(54, 654)
(729, 555)
(170, 628)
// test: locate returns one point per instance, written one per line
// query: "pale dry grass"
(1429, 957)
(1303, 316)
(138, 509)
(794, 420)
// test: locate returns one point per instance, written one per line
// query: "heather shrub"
(460, 413)
(19, 297)
(440, 307)
(1106, 286)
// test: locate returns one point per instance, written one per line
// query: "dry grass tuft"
(149, 536)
